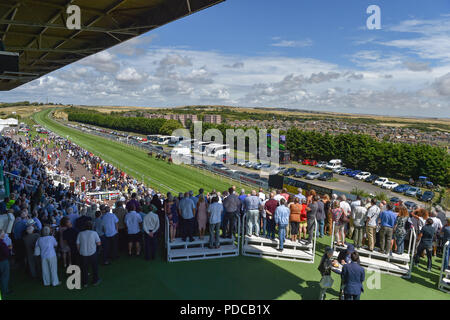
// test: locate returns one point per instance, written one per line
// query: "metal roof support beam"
(58, 26)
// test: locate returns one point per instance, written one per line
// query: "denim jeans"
(321, 225)
(282, 234)
(400, 240)
(252, 222)
(429, 251)
(214, 234)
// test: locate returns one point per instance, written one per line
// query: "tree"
(169, 127)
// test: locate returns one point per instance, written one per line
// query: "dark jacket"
(353, 276)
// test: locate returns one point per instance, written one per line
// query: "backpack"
(344, 218)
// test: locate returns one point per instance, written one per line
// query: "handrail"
(412, 245)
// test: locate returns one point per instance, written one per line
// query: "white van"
(333, 164)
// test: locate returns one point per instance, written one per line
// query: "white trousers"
(50, 271)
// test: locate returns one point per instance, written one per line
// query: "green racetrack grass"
(226, 278)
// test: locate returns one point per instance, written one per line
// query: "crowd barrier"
(395, 264)
(444, 276)
(180, 250)
(298, 251)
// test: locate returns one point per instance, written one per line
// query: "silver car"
(312, 175)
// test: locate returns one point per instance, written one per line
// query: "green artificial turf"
(225, 278)
(156, 173)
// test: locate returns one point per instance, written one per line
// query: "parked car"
(334, 164)
(362, 175)
(249, 164)
(395, 200)
(289, 172)
(242, 163)
(371, 178)
(325, 176)
(257, 166)
(389, 185)
(411, 206)
(301, 173)
(427, 196)
(413, 192)
(312, 175)
(380, 181)
(345, 172)
(307, 162)
(354, 173)
(321, 164)
(401, 188)
(339, 169)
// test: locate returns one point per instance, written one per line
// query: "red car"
(308, 162)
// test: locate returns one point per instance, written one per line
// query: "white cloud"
(292, 43)
(130, 75)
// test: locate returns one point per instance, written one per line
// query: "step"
(271, 252)
(179, 243)
(302, 245)
(405, 258)
(203, 253)
(382, 265)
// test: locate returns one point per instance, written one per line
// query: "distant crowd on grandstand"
(54, 225)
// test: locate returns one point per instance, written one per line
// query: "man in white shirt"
(371, 223)
(133, 221)
(278, 196)
(87, 243)
(150, 227)
(215, 214)
(359, 212)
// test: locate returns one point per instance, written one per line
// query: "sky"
(300, 54)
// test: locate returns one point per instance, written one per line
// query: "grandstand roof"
(36, 29)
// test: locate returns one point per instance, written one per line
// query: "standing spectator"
(282, 219)
(321, 217)
(329, 217)
(150, 227)
(133, 201)
(69, 237)
(202, 208)
(270, 207)
(120, 213)
(261, 194)
(371, 223)
(110, 227)
(295, 209)
(263, 215)
(387, 220)
(215, 212)
(303, 220)
(312, 210)
(172, 214)
(351, 225)
(4, 265)
(63, 246)
(359, 212)
(232, 206)
(346, 212)
(98, 227)
(45, 247)
(445, 238)
(300, 195)
(187, 211)
(285, 194)
(133, 221)
(426, 236)
(400, 228)
(29, 240)
(353, 276)
(87, 243)
(325, 268)
(252, 205)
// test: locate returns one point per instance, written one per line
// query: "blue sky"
(316, 55)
